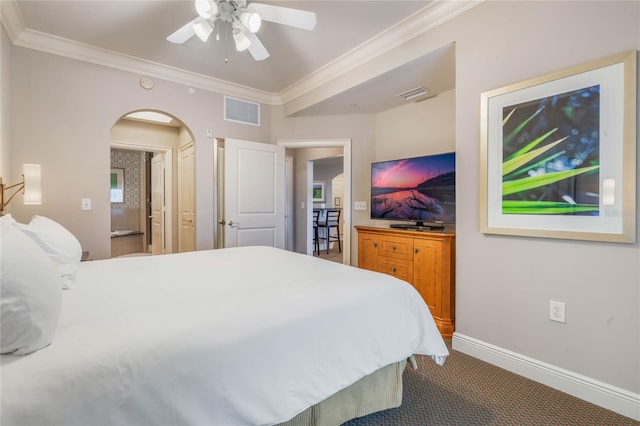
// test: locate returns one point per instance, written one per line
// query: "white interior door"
(254, 207)
(157, 204)
(186, 199)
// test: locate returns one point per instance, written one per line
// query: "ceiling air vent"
(240, 111)
(413, 93)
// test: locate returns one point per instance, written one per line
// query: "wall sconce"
(30, 186)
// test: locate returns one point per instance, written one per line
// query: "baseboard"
(604, 395)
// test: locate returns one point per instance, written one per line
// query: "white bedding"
(244, 336)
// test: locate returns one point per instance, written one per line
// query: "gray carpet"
(467, 391)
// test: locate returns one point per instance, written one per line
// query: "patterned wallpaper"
(133, 164)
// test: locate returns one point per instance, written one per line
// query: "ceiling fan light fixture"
(245, 17)
(252, 21)
(242, 42)
(203, 29)
(206, 8)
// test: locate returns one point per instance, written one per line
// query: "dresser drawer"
(399, 268)
(397, 248)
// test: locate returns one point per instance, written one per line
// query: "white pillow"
(60, 244)
(30, 294)
(7, 218)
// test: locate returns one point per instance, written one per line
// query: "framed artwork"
(117, 185)
(558, 154)
(318, 191)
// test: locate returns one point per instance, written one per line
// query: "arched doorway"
(147, 148)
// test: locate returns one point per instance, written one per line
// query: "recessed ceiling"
(138, 30)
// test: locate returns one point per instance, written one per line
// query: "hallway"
(334, 255)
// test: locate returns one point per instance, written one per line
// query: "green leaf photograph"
(551, 155)
(558, 153)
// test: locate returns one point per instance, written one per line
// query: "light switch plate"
(86, 204)
(360, 205)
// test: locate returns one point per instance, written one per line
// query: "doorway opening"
(328, 196)
(143, 154)
(302, 200)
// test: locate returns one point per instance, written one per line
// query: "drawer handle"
(415, 250)
(393, 248)
(375, 244)
(393, 269)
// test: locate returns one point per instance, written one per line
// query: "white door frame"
(345, 144)
(158, 204)
(288, 203)
(168, 170)
(192, 227)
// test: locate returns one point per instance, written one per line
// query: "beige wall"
(5, 109)
(417, 128)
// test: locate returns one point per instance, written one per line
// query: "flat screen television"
(420, 191)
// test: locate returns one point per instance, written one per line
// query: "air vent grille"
(413, 93)
(241, 111)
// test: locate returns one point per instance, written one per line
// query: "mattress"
(240, 336)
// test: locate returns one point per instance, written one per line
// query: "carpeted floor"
(467, 391)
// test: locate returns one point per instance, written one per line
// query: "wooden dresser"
(425, 259)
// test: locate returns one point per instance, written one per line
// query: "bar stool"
(316, 243)
(332, 221)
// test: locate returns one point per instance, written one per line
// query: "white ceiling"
(132, 35)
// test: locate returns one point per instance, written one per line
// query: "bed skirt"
(378, 391)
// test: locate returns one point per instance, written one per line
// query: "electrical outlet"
(557, 311)
(86, 204)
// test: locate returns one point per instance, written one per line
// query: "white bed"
(244, 336)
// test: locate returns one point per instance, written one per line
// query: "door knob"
(222, 222)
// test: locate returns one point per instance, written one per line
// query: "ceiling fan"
(245, 20)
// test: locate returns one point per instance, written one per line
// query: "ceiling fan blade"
(258, 51)
(184, 33)
(256, 48)
(284, 15)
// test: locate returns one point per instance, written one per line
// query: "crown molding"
(11, 19)
(420, 22)
(427, 18)
(30, 39)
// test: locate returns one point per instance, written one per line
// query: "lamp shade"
(206, 8)
(202, 29)
(242, 42)
(32, 184)
(251, 20)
